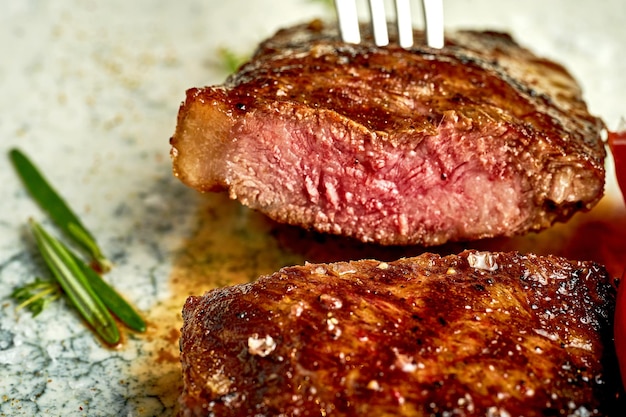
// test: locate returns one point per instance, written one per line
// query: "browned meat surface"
(420, 146)
(478, 334)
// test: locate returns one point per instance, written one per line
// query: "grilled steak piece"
(419, 146)
(475, 334)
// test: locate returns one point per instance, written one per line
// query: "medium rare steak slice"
(478, 334)
(394, 146)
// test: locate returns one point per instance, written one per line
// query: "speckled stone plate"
(90, 91)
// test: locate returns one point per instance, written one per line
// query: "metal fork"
(433, 19)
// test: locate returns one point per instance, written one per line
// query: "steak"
(420, 146)
(474, 334)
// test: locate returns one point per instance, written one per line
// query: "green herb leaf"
(330, 4)
(36, 295)
(112, 299)
(51, 202)
(71, 278)
(231, 60)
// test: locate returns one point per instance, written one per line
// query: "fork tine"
(433, 19)
(348, 21)
(379, 22)
(405, 27)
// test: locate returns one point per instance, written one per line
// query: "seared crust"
(479, 139)
(478, 334)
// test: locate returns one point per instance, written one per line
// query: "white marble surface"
(90, 91)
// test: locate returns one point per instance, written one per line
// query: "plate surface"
(90, 90)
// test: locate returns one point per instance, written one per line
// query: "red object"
(617, 143)
(619, 329)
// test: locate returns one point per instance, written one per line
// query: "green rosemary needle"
(231, 61)
(72, 279)
(36, 295)
(112, 299)
(58, 210)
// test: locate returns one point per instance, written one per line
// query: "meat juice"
(232, 244)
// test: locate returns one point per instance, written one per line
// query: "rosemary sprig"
(71, 278)
(36, 295)
(94, 299)
(231, 61)
(58, 210)
(329, 4)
